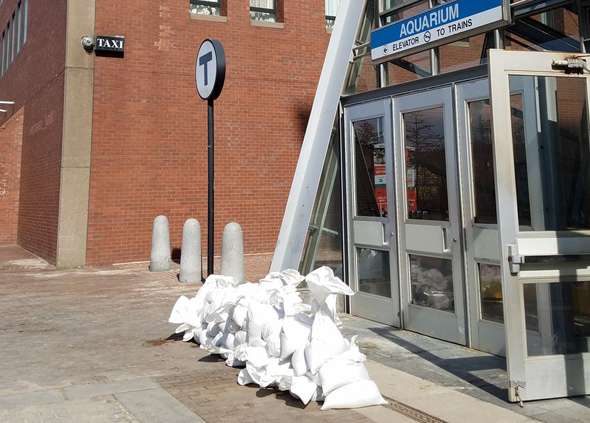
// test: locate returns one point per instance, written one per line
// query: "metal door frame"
(542, 376)
(429, 321)
(373, 307)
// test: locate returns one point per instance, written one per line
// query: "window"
(206, 7)
(8, 44)
(12, 37)
(331, 9)
(3, 50)
(18, 30)
(25, 19)
(263, 10)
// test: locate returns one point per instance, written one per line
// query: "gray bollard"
(232, 252)
(190, 253)
(160, 256)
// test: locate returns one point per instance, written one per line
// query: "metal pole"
(211, 190)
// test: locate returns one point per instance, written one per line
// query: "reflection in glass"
(426, 175)
(482, 162)
(520, 159)
(408, 68)
(370, 179)
(362, 74)
(557, 160)
(463, 53)
(559, 28)
(432, 282)
(563, 324)
(373, 272)
(323, 244)
(490, 289)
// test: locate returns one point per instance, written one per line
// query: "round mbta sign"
(210, 69)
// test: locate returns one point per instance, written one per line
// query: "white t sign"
(210, 69)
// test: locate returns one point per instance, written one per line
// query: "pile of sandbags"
(277, 339)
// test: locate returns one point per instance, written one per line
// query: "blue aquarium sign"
(446, 23)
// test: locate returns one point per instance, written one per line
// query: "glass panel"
(490, 289)
(263, 10)
(432, 282)
(463, 54)
(426, 175)
(331, 10)
(25, 20)
(482, 162)
(370, 179)
(560, 152)
(206, 7)
(520, 162)
(373, 272)
(323, 245)
(18, 18)
(563, 318)
(362, 75)
(409, 68)
(556, 30)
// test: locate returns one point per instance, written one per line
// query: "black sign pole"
(209, 85)
(211, 190)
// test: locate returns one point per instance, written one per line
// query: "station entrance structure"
(454, 196)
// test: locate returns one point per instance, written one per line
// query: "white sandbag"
(284, 383)
(180, 311)
(240, 338)
(232, 361)
(240, 313)
(294, 334)
(363, 393)
(244, 378)
(326, 342)
(314, 377)
(302, 388)
(340, 371)
(322, 282)
(189, 332)
(274, 371)
(218, 339)
(258, 315)
(201, 336)
(270, 282)
(291, 277)
(213, 329)
(256, 356)
(228, 340)
(298, 361)
(271, 334)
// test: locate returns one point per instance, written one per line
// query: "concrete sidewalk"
(94, 345)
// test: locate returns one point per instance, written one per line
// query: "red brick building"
(96, 146)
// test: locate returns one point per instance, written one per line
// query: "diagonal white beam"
(297, 215)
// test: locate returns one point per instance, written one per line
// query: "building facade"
(94, 146)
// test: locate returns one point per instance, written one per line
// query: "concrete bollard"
(160, 256)
(190, 253)
(232, 252)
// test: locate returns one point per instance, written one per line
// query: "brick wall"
(34, 81)
(11, 135)
(149, 151)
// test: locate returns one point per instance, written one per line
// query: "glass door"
(543, 207)
(480, 219)
(430, 235)
(371, 258)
